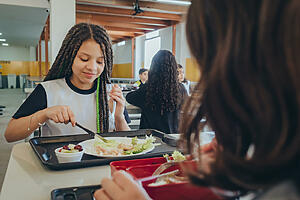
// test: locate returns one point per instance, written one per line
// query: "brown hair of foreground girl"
(248, 55)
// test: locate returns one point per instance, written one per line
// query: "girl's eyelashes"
(84, 59)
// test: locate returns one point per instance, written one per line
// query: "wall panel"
(192, 72)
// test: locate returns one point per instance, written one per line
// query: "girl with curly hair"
(161, 97)
(75, 89)
(248, 54)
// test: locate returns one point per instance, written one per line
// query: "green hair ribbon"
(97, 105)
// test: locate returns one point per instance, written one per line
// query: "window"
(152, 46)
(121, 43)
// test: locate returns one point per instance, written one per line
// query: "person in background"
(248, 55)
(186, 83)
(75, 89)
(143, 75)
(162, 95)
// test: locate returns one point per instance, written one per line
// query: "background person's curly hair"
(163, 86)
(62, 66)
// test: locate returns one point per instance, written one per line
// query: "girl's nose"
(92, 65)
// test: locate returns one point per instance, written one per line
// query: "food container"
(68, 157)
(179, 191)
(125, 164)
(141, 168)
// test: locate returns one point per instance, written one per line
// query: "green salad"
(123, 146)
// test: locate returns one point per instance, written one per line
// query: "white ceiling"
(21, 25)
(22, 22)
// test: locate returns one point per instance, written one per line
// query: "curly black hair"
(62, 66)
(163, 86)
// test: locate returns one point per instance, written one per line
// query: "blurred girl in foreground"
(248, 54)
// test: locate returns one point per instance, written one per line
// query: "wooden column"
(46, 45)
(40, 57)
(132, 57)
(37, 53)
(174, 39)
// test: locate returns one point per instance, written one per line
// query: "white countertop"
(27, 178)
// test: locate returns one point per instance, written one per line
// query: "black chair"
(1, 109)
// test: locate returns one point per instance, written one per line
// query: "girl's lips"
(89, 75)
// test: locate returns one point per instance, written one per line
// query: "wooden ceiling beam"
(113, 38)
(120, 33)
(143, 4)
(130, 12)
(123, 34)
(118, 24)
(131, 19)
(131, 30)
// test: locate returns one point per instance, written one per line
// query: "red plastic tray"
(176, 191)
(125, 164)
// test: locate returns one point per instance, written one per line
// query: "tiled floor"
(12, 99)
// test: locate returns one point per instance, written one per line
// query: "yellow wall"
(192, 72)
(30, 68)
(122, 71)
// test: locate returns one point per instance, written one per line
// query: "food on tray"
(71, 148)
(176, 155)
(69, 153)
(125, 147)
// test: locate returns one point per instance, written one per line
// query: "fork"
(163, 167)
(149, 178)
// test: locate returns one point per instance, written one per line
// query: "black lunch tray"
(75, 193)
(44, 148)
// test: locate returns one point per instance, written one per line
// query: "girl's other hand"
(210, 147)
(117, 95)
(121, 186)
(60, 114)
(208, 155)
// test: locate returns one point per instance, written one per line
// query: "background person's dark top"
(152, 119)
(38, 101)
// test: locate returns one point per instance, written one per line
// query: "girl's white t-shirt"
(187, 86)
(82, 105)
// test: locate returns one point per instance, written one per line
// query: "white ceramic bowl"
(68, 157)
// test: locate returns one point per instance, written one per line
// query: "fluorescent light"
(0, 33)
(2, 40)
(176, 2)
(4, 44)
